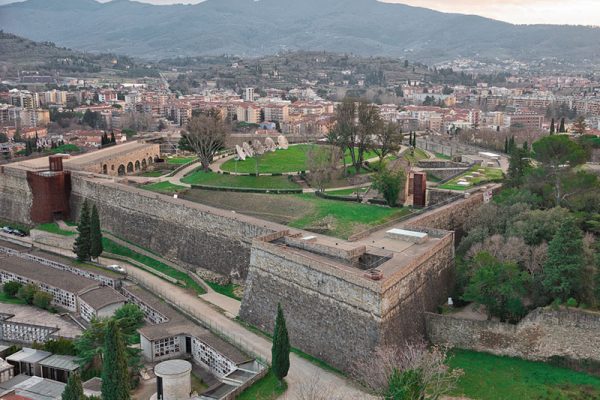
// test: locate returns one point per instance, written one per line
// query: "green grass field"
(10, 300)
(180, 160)
(443, 156)
(52, 227)
(268, 388)
(114, 248)
(487, 175)
(234, 181)
(164, 188)
(293, 159)
(489, 377)
(416, 157)
(347, 192)
(348, 218)
(226, 290)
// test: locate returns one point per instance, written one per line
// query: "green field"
(235, 181)
(347, 218)
(293, 159)
(10, 300)
(489, 377)
(52, 227)
(416, 157)
(347, 192)
(153, 174)
(487, 175)
(114, 248)
(164, 188)
(268, 388)
(180, 160)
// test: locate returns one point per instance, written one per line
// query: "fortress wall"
(327, 316)
(15, 196)
(197, 235)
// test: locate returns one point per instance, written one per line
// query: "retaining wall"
(15, 196)
(542, 334)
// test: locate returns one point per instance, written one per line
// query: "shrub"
(11, 289)
(571, 302)
(27, 293)
(42, 300)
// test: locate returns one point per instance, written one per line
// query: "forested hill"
(259, 27)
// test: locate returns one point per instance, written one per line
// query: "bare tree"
(322, 162)
(388, 139)
(436, 378)
(369, 125)
(343, 132)
(206, 134)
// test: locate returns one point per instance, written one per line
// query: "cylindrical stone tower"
(173, 380)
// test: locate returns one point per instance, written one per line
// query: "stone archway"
(105, 169)
(149, 160)
(137, 165)
(121, 170)
(144, 165)
(156, 158)
(130, 167)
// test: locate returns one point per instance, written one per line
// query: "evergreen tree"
(506, 145)
(563, 271)
(95, 234)
(83, 241)
(112, 138)
(115, 376)
(280, 352)
(552, 127)
(74, 389)
(561, 129)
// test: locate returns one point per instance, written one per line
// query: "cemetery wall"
(15, 196)
(542, 334)
(179, 230)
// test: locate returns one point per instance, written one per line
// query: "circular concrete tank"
(173, 380)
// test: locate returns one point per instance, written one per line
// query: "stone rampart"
(15, 196)
(336, 314)
(179, 230)
(542, 334)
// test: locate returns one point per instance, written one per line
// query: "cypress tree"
(506, 144)
(95, 234)
(112, 138)
(280, 352)
(561, 129)
(564, 268)
(83, 241)
(74, 389)
(552, 127)
(115, 376)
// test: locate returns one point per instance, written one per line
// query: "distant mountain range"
(259, 27)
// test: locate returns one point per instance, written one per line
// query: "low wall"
(542, 334)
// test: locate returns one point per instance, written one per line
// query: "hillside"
(18, 53)
(252, 28)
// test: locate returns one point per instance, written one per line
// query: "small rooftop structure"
(173, 380)
(27, 361)
(406, 235)
(32, 388)
(58, 367)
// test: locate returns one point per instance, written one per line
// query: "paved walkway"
(301, 371)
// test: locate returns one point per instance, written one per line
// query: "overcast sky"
(574, 12)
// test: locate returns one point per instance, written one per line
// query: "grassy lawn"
(347, 192)
(227, 290)
(52, 227)
(416, 157)
(489, 377)
(153, 174)
(10, 300)
(233, 181)
(443, 156)
(291, 160)
(348, 218)
(487, 175)
(268, 388)
(22, 228)
(164, 188)
(180, 160)
(114, 248)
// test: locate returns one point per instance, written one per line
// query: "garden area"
(294, 159)
(201, 177)
(474, 177)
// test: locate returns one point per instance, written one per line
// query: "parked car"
(7, 229)
(116, 268)
(18, 233)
